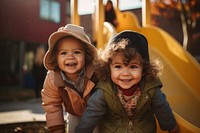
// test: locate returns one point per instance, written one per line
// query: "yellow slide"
(181, 74)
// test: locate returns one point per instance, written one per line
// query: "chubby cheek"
(60, 61)
(81, 61)
(138, 75)
(114, 76)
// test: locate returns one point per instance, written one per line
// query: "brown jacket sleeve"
(52, 102)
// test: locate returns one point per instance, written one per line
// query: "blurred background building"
(26, 25)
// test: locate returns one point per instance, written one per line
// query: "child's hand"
(174, 130)
(59, 131)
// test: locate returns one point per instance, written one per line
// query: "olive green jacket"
(116, 119)
(105, 107)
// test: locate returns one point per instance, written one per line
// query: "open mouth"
(126, 80)
(71, 64)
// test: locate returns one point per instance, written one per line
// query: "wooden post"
(100, 21)
(75, 18)
(146, 13)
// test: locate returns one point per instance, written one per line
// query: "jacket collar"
(59, 82)
(149, 84)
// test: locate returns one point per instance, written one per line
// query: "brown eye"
(63, 53)
(134, 66)
(77, 52)
(117, 66)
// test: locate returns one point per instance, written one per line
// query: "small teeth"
(125, 80)
(71, 64)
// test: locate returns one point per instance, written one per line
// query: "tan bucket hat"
(69, 30)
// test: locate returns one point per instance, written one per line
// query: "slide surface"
(181, 73)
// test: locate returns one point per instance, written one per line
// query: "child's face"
(123, 75)
(70, 57)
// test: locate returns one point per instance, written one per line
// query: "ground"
(17, 94)
(27, 127)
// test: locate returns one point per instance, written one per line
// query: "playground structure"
(181, 71)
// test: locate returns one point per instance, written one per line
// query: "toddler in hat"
(70, 79)
(128, 98)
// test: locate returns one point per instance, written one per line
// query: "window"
(50, 10)
(129, 4)
(86, 7)
(123, 5)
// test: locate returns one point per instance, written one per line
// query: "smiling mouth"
(71, 64)
(125, 80)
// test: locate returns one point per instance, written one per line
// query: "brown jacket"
(56, 93)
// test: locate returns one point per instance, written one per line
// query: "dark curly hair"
(151, 70)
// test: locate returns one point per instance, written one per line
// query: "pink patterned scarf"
(129, 102)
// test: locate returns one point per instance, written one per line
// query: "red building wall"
(20, 20)
(22, 31)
